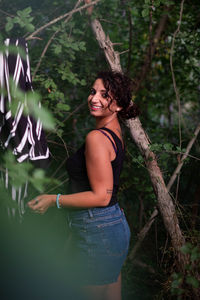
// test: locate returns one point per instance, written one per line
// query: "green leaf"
(58, 49)
(30, 27)
(168, 147)
(8, 26)
(186, 248)
(193, 281)
(44, 115)
(145, 12)
(63, 106)
(27, 10)
(178, 149)
(195, 254)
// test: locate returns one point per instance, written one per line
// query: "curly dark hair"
(120, 88)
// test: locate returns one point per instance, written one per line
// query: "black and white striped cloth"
(22, 134)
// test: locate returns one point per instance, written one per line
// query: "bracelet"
(57, 201)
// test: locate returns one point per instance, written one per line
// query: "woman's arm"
(100, 174)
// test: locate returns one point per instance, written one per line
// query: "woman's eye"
(105, 95)
(92, 92)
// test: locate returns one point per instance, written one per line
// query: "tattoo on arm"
(109, 191)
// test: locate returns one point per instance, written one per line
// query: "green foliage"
(184, 282)
(23, 19)
(31, 106)
(20, 173)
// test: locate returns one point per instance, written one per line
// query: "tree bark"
(165, 203)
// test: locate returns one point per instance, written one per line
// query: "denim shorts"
(99, 241)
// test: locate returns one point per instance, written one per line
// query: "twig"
(59, 167)
(115, 44)
(71, 114)
(125, 51)
(107, 21)
(67, 179)
(60, 18)
(172, 70)
(149, 268)
(64, 145)
(5, 13)
(74, 111)
(178, 168)
(188, 155)
(51, 39)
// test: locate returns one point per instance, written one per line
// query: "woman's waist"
(89, 213)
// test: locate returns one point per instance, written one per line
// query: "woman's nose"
(95, 97)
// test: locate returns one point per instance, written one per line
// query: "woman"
(101, 233)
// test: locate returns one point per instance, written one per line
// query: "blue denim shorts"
(99, 242)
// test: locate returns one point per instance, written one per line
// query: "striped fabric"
(22, 134)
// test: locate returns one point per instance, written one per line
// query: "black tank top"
(76, 167)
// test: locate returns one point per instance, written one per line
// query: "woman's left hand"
(41, 203)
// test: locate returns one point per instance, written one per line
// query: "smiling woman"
(99, 230)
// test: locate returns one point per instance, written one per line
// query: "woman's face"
(99, 101)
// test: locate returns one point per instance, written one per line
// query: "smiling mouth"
(95, 107)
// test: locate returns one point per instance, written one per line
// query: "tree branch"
(31, 36)
(178, 168)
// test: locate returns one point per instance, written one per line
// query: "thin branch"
(64, 145)
(107, 21)
(141, 264)
(172, 71)
(178, 168)
(125, 51)
(51, 39)
(61, 183)
(63, 162)
(188, 155)
(6, 13)
(69, 116)
(31, 36)
(115, 44)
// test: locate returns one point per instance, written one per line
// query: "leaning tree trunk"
(165, 203)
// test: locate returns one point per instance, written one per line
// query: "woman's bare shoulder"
(94, 136)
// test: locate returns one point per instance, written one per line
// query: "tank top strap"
(115, 137)
(114, 146)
